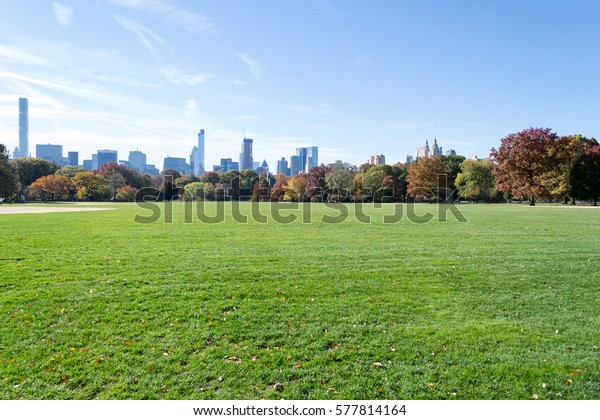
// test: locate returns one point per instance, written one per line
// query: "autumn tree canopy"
(523, 162)
(428, 179)
(51, 187)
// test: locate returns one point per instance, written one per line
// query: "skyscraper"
(309, 157)
(282, 167)
(295, 165)
(301, 153)
(246, 155)
(106, 156)
(197, 156)
(23, 127)
(377, 160)
(73, 158)
(312, 158)
(137, 160)
(51, 152)
(176, 163)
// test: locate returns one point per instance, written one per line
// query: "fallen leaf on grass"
(377, 364)
(127, 342)
(232, 359)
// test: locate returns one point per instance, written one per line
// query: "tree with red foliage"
(523, 161)
(278, 191)
(316, 184)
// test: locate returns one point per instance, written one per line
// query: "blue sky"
(355, 78)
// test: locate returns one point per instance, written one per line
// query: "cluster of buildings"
(426, 151)
(302, 162)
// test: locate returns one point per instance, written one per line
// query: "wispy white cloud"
(63, 14)
(253, 65)
(120, 80)
(9, 53)
(243, 117)
(241, 99)
(192, 22)
(144, 35)
(179, 78)
(190, 107)
(321, 108)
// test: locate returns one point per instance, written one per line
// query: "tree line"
(529, 165)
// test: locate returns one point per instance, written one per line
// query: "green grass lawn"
(503, 306)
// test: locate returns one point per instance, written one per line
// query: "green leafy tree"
(400, 183)
(170, 173)
(210, 178)
(184, 180)
(452, 165)
(372, 181)
(30, 169)
(90, 186)
(231, 181)
(476, 180)
(8, 175)
(566, 150)
(585, 176)
(194, 191)
(340, 182)
(69, 171)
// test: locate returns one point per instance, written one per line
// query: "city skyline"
(357, 79)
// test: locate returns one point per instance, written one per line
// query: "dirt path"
(10, 209)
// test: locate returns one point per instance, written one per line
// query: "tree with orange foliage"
(51, 187)
(428, 179)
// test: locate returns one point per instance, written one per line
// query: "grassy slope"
(94, 305)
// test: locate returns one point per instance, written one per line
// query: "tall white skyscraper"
(197, 155)
(23, 127)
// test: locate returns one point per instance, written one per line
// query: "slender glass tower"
(23, 127)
